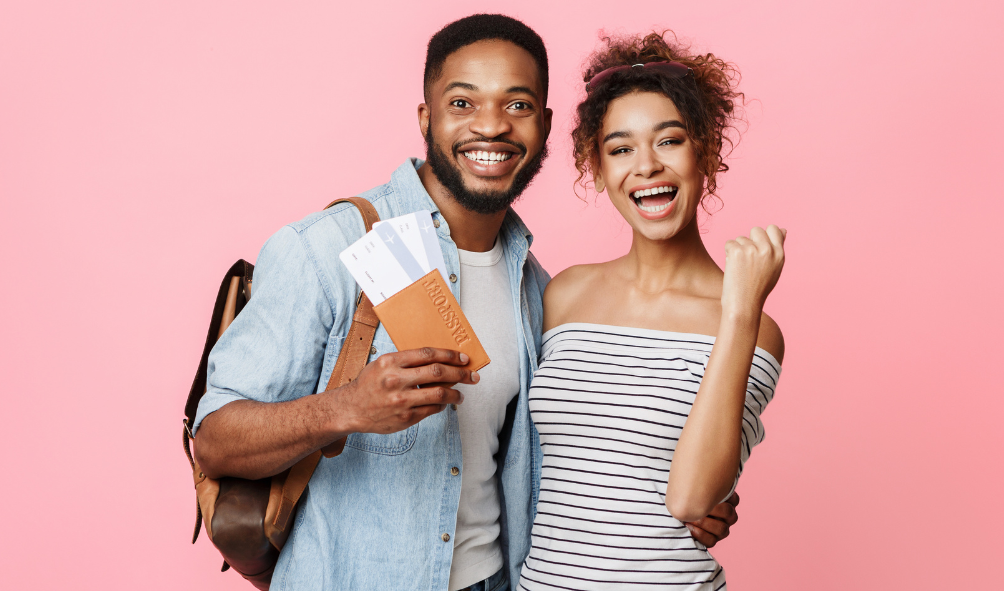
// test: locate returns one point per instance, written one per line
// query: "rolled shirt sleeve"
(274, 349)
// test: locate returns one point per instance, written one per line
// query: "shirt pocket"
(391, 444)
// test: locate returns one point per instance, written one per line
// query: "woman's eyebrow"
(670, 123)
(658, 127)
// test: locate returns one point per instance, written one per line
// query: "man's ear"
(548, 113)
(423, 118)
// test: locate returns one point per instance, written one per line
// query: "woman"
(638, 346)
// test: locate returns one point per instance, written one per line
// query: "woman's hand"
(752, 268)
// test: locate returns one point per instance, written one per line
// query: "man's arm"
(260, 413)
(251, 439)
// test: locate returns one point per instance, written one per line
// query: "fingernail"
(464, 358)
(690, 527)
(475, 377)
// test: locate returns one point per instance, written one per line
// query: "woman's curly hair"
(708, 100)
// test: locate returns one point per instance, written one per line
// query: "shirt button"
(453, 277)
(372, 350)
(446, 537)
(435, 223)
(454, 470)
(453, 406)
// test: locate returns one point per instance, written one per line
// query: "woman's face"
(648, 166)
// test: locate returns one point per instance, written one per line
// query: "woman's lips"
(654, 202)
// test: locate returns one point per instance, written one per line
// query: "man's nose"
(490, 121)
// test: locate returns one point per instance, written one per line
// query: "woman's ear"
(598, 183)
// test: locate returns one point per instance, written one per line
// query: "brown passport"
(425, 314)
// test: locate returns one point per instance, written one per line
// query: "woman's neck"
(680, 263)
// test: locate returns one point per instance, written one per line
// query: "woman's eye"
(460, 104)
(618, 151)
(671, 142)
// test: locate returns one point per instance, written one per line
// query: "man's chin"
(477, 193)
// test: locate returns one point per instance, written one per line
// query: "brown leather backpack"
(249, 520)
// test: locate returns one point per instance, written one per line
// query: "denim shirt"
(376, 515)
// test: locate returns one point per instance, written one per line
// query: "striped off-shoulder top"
(609, 403)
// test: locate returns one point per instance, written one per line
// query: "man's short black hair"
(482, 27)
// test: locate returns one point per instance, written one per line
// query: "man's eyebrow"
(523, 89)
(670, 123)
(464, 85)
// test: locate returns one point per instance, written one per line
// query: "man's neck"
(470, 231)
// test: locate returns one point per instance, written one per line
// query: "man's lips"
(654, 200)
(486, 159)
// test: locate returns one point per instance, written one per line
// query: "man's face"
(485, 124)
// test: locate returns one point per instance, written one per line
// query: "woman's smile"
(654, 200)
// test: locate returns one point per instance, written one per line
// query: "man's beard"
(484, 202)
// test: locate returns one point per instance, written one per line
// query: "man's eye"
(521, 106)
(460, 104)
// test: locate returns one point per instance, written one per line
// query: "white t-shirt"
(486, 299)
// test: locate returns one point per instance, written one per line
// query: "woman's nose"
(646, 164)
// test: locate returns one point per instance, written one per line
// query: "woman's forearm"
(707, 455)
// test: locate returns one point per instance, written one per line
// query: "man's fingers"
(438, 373)
(702, 536)
(424, 412)
(733, 500)
(726, 512)
(428, 355)
(436, 396)
(715, 527)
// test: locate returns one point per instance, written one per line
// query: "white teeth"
(654, 208)
(487, 157)
(648, 192)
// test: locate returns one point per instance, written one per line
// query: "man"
(405, 505)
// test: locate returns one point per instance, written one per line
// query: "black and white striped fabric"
(610, 403)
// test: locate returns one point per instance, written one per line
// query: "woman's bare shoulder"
(770, 338)
(566, 289)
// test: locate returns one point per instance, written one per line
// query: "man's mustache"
(481, 139)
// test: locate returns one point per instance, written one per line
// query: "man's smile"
(489, 159)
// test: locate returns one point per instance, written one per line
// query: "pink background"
(145, 146)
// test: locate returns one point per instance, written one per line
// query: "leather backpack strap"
(235, 289)
(351, 360)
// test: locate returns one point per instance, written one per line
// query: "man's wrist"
(335, 424)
